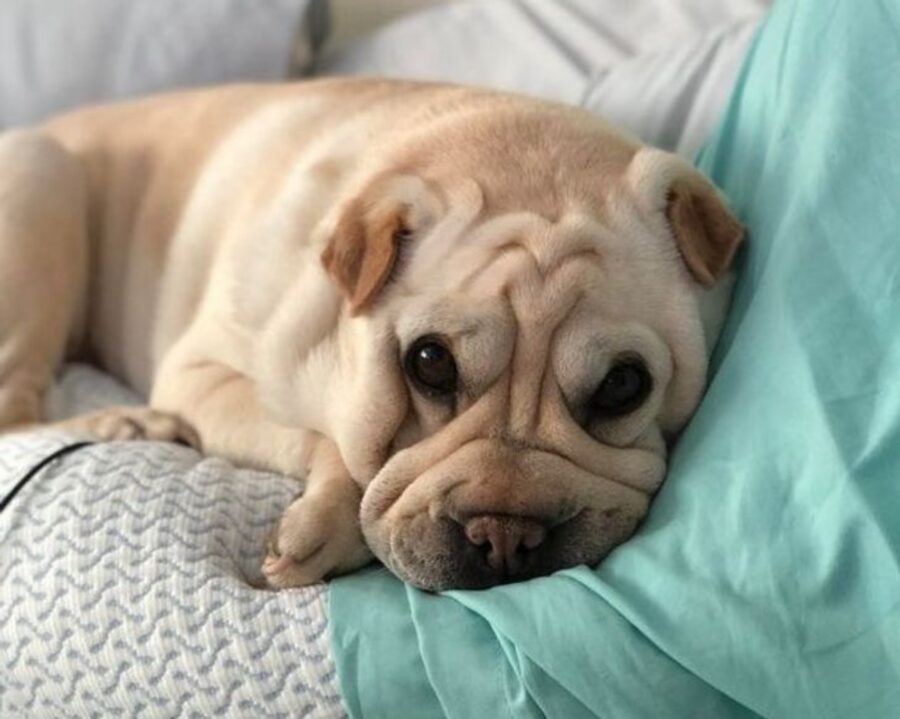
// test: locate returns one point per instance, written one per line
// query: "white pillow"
(659, 68)
(672, 98)
(55, 55)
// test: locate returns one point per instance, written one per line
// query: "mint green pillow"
(766, 580)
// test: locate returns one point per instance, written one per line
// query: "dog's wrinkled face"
(509, 377)
(531, 439)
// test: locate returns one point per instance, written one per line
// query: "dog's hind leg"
(43, 267)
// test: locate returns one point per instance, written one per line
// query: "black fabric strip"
(61, 452)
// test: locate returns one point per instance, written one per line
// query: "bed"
(766, 579)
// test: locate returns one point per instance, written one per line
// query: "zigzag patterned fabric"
(129, 577)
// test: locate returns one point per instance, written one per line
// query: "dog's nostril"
(506, 540)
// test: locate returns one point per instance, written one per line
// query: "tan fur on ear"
(362, 251)
(706, 232)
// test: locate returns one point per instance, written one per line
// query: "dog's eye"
(623, 390)
(431, 367)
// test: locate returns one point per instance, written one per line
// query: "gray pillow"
(58, 55)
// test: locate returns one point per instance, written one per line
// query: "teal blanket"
(766, 580)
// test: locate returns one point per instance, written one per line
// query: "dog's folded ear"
(365, 244)
(363, 249)
(705, 231)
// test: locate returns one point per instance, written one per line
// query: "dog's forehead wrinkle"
(549, 242)
(518, 248)
(544, 306)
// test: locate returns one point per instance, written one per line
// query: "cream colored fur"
(178, 242)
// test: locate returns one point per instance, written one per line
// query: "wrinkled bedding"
(128, 575)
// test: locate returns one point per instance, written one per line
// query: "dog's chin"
(435, 555)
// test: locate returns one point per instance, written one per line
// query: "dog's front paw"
(134, 423)
(315, 538)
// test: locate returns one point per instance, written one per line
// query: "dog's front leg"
(43, 268)
(319, 534)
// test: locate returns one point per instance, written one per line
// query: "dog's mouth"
(490, 549)
(519, 516)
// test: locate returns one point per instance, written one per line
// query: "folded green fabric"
(767, 578)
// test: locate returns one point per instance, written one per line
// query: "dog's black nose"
(506, 540)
